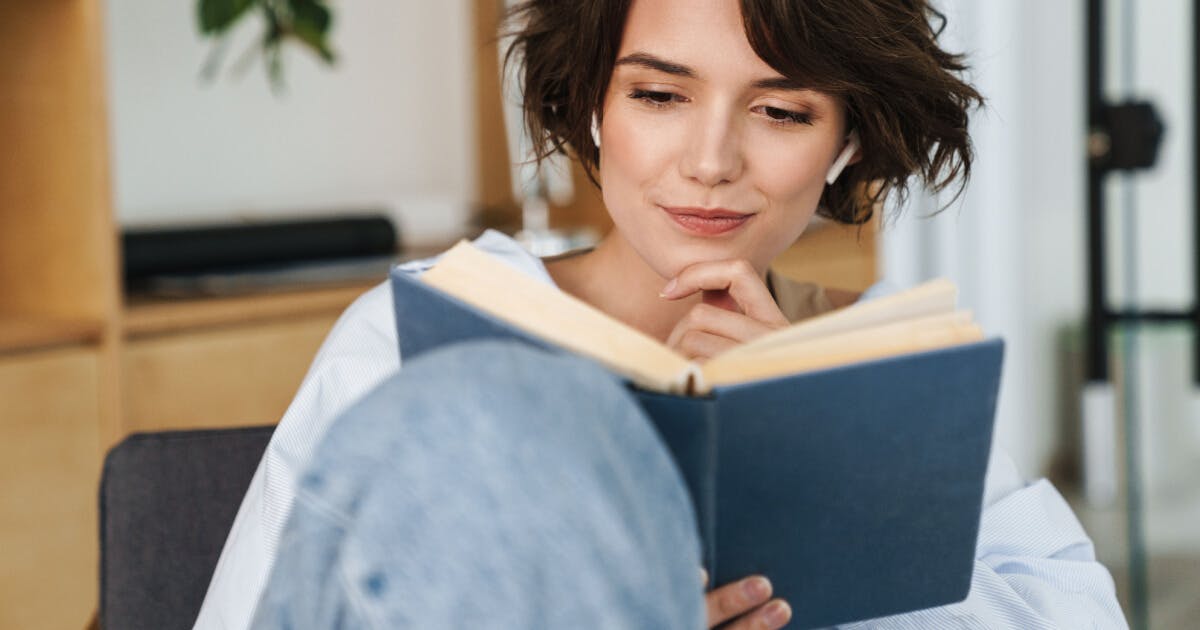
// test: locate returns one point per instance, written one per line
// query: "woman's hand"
(736, 307)
(748, 602)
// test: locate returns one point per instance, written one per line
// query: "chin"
(671, 256)
(668, 251)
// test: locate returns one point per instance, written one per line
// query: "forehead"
(704, 35)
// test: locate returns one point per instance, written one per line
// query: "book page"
(492, 286)
(930, 298)
(917, 335)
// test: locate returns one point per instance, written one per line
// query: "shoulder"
(370, 320)
(359, 350)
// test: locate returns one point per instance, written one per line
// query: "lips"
(707, 221)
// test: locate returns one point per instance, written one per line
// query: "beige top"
(798, 300)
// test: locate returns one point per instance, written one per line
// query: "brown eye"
(786, 116)
(656, 99)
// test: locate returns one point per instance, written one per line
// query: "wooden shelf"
(59, 295)
(25, 333)
(157, 316)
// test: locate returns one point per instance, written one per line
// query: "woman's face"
(707, 153)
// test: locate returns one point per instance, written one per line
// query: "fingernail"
(757, 588)
(777, 613)
(667, 289)
(703, 576)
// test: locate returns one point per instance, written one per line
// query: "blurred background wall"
(392, 124)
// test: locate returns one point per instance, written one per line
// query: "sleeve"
(1035, 567)
(359, 353)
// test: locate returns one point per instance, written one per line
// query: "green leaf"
(305, 21)
(310, 24)
(312, 13)
(216, 16)
(275, 70)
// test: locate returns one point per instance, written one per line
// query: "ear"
(851, 154)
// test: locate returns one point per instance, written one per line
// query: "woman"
(478, 490)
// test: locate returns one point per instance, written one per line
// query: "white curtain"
(1014, 241)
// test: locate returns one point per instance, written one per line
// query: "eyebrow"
(646, 60)
(778, 83)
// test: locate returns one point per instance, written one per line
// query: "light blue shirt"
(1034, 564)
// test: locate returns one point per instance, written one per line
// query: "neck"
(615, 279)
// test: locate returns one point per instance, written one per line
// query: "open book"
(843, 457)
(922, 318)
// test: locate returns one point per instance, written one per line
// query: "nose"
(713, 154)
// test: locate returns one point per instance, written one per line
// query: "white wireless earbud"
(843, 158)
(595, 131)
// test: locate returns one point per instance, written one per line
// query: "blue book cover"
(856, 489)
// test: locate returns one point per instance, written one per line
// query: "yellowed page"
(494, 287)
(862, 336)
(930, 298)
(842, 349)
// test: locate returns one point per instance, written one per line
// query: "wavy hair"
(902, 92)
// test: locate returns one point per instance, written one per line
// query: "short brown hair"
(903, 93)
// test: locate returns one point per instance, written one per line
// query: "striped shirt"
(1035, 566)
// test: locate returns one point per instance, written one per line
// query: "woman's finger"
(698, 345)
(718, 321)
(773, 614)
(734, 599)
(738, 277)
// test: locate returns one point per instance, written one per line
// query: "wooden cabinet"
(59, 330)
(230, 376)
(58, 242)
(49, 474)
(222, 361)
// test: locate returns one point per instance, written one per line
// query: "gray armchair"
(167, 501)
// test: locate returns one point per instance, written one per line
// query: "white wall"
(1160, 50)
(392, 124)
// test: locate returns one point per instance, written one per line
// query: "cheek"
(633, 158)
(632, 151)
(793, 180)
